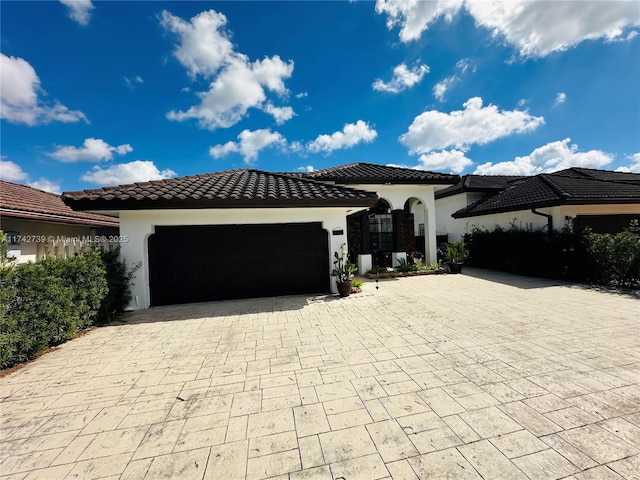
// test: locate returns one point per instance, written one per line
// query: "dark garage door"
(604, 223)
(221, 262)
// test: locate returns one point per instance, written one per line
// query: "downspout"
(549, 220)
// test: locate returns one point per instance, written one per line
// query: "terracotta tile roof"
(479, 183)
(21, 201)
(567, 187)
(245, 188)
(368, 173)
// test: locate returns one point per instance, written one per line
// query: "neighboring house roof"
(245, 188)
(606, 175)
(479, 183)
(368, 174)
(573, 186)
(21, 201)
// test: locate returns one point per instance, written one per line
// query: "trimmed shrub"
(600, 258)
(40, 311)
(611, 259)
(119, 285)
(46, 303)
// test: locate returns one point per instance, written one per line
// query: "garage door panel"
(203, 263)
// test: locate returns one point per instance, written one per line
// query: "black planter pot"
(453, 267)
(344, 288)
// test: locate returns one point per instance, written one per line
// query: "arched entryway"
(382, 232)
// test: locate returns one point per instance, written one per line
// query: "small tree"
(119, 280)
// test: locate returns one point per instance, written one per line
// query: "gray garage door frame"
(221, 262)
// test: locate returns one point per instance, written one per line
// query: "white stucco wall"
(137, 225)
(522, 218)
(445, 223)
(397, 195)
(445, 207)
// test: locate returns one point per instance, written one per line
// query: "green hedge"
(46, 303)
(610, 259)
(600, 258)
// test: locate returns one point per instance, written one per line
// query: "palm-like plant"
(343, 270)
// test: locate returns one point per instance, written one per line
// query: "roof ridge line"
(554, 186)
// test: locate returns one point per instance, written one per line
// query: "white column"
(365, 263)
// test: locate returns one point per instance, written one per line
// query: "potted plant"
(416, 256)
(455, 256)
(343, 270)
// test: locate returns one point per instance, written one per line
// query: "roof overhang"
(469, 212)
(100, 205)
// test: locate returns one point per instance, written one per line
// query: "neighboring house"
(38, 224)
(249, 233)
(604, 200)
(468, 190)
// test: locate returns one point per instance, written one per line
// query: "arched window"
(380, 227)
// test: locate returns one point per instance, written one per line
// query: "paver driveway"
(480, 375)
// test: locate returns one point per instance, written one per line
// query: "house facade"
(467, 191)
(38, 224)
(604, 201)
(248, 233)
(404, 218)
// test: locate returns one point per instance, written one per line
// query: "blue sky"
(107, 93)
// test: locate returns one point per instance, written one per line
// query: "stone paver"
(479, 375)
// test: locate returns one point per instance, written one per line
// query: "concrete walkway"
(480, 375)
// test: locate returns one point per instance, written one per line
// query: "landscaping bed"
(403, 274)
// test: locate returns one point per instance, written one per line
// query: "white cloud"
(561, 97)
(465, 64)
(296, 147)
(534, 28)
(434, 130)
(440, 88)
(633, 167)
(279, 114)
(249, 144)
(452, 160)
(238, 84)
(403, 78)
(79, 10)
(204, 43)
(136, 79)
(124, 173)
(350, 135)
(92, 150)
(46, 185)
(19, 91)
(12, 172)
(301, 94)
(306, 169)
(239, 87)
(538, 28)
(415, 16)
(551, 157)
